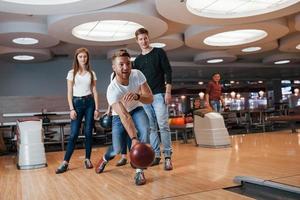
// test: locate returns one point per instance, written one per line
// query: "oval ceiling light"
(12, 54)
(222, 9)
(228, 14)
(128, 13)
(290, 43)
(106, 30)
(281, 62)
(54, 7)
(236, 37)
(41, 2)
(257, 48)
(157, 45)
(26, 35)
(282, 58)
(251, 49)
(23, 57)
(214, 57)
(217, 60)
(25, 41)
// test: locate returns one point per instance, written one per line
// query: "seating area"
(56, 131)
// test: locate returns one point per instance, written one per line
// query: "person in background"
(197, 104)
(154, 64)
(213, 98)
(83, 102)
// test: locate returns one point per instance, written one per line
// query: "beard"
(126, 75)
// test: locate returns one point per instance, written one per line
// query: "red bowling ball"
(141, 155)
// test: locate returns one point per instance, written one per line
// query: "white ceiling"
(169, 22)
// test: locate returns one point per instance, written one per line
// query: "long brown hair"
(76, 64)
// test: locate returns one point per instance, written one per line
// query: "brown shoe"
(100, 166)
(168, 164)
(62, 168)
(156, 161)
(121, 162)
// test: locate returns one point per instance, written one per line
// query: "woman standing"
(83, 102)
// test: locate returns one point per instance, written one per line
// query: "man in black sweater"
(154, 64)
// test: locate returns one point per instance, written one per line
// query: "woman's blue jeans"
(126, 144)
(119, 134)
(84, 107)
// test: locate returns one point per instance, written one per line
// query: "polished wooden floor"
(199, 173)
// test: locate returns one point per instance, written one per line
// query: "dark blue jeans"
(84, 107)
(126, 144)
(119, 134)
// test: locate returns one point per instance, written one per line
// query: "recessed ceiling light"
(219, 60)
(260, 81)
(25, 41)
(23, 57)
(232, 94)
(298, 46)
(296, 81)
(106, 30)
(157, 45)
(41, 2)
(251, 49)
(132, 59)
(235, 8)
(237, 37)
(201, 94)
(280, 62)
(200, 82)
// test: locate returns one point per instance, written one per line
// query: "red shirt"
(214, 90)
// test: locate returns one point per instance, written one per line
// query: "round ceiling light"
(215, 61)
(25, 41)
(106, 30)
(224, 9)
(298, 46)
(41, 2)
(251, 49)
(237, 37)
(23, 57)
(280, 62)
(158, 45)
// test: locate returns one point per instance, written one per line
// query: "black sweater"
(156, 68)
